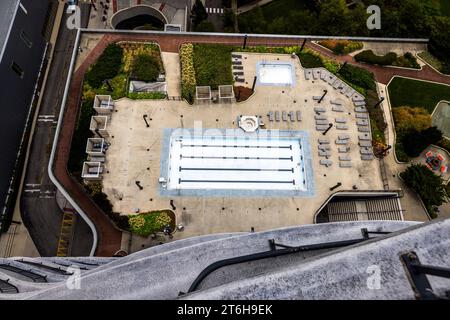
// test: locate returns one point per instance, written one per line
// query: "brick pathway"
(109, 236)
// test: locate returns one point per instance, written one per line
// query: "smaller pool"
(275, 73)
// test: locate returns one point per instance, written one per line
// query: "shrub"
(368, 56)
(145, 68)
(212, 65)
(358, 76)
(429, 186)
(188, 82)
(95, 191)
(342, 46)
(107, 66)
(146, 95)
(377, 120)
(400, 153)
(147, 223)
(80, 136)
(309, 60)
(414, 142)
(407, 118)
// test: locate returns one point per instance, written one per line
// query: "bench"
(365, 143)
(343, 149)
(345, 164)
(341, 126)
(363, 129)
(277, 116)
(326, 162)
(323, 141)
(341, 120)
(299, 115)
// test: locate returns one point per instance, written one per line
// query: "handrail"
(269, 254)
(55, 145)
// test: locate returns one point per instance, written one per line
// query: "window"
(17, 69)
(26, 39)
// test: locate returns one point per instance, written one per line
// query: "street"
(40, 212)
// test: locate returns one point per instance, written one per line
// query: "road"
(40, 212)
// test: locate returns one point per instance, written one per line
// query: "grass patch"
(432, 60)
(414, 93)
(212, 64)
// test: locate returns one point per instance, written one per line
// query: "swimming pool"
(236, 164)
(275, 73)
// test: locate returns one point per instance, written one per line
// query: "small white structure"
(98, 126)
(96, 147)
(103, 104)
(203, 93)
(226, 93)
(249, 123)
(92, 171)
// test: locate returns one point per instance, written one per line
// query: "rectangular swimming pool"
(276, 73)
(235, 164)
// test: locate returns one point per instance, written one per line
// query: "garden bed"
(342, 47)
(212, 64)
(148, 223)
(415, 93)
(390, 59)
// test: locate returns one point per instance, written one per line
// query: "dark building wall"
(16, 92)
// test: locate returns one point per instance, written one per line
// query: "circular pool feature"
(249, 123)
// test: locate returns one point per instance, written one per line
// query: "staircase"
(65, 236)
(363, 210)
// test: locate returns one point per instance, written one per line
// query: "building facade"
(25, 27)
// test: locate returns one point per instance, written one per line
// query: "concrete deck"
(134, 155)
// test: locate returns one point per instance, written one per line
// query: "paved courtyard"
(135, 154)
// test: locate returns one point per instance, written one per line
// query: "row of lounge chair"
(362, 117)
(293, 116)
(238, 68)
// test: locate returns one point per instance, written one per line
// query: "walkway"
(173, 73)
(385, 74)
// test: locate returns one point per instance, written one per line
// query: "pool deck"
(135, 155)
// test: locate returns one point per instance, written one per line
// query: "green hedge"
(146, 95)
(212, 65)
(359, 77)
(107, 66)
(368, 56)
(80, 137)
(145, 68)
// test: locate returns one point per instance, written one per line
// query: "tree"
(333, 17)
(198, 13)
(407, 118)
(107, 66)
(145, 68)
(205, 26)
(414, 142)
(429, 186)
